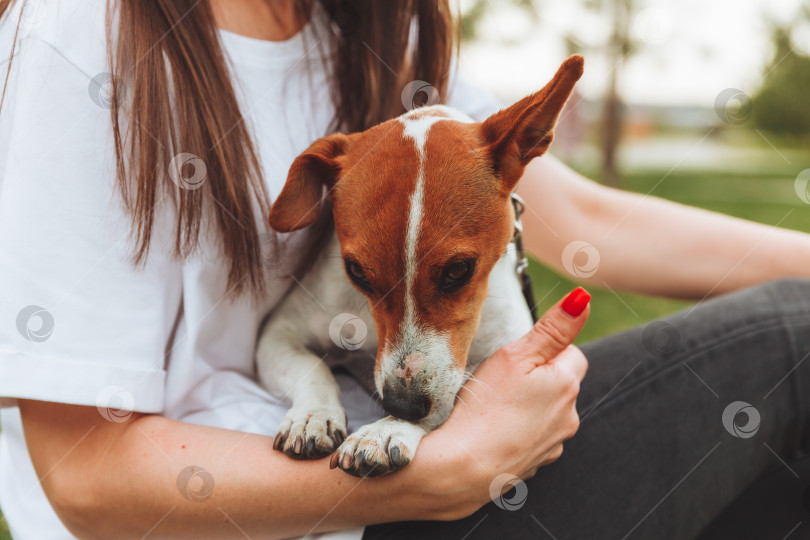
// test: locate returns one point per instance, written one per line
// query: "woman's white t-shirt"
(79, 323)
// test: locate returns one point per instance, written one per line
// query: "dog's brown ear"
(518, 134)
(299, 203)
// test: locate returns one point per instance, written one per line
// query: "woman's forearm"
(171, 479)
(654, 246)
(649, 245)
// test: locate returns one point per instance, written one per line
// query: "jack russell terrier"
(422, 218)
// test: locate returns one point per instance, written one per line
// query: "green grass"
(766, 196)
(4, 534)
(610, 313)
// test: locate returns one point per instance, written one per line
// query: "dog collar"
(521, 268)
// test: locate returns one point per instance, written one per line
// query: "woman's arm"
(120, 480)
(123, 480)
(649, 245)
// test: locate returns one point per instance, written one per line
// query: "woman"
(164, 131)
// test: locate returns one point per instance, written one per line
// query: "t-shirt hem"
(25, 376)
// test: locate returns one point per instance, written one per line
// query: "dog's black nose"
(405, 403)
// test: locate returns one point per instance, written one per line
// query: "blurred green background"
(709, 110)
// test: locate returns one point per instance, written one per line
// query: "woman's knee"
(789, 293)
(768, 307)
(776, 312)
(777, 299)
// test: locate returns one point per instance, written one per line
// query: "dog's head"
(422, 210)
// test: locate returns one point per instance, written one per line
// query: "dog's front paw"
(383, 447)
(311, 433)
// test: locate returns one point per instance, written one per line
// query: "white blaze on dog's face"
(422, 211)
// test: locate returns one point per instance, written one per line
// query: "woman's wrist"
(445, 481)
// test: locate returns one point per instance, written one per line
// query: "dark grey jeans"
(678, 417)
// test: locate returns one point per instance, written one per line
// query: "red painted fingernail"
(576, 302)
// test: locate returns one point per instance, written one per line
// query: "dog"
(423, 223)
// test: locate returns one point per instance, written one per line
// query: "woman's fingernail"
(576, 302)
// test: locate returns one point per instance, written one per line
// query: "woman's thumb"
(558, 327)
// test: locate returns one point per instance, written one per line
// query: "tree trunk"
(612, 114)
(611, 134)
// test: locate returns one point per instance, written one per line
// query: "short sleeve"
(79, 322)
(470, 99)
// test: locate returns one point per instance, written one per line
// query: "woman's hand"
(514, 414)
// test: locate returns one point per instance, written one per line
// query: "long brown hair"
(157, 116)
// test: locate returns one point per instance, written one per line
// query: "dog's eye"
(457, 274)
(357, 274)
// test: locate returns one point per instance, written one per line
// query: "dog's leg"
(383, 447)
(316, 424)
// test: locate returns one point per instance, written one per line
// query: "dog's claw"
(336, 434)
(380, 448)
(346, 462)
(395, 456)
(310, 433)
